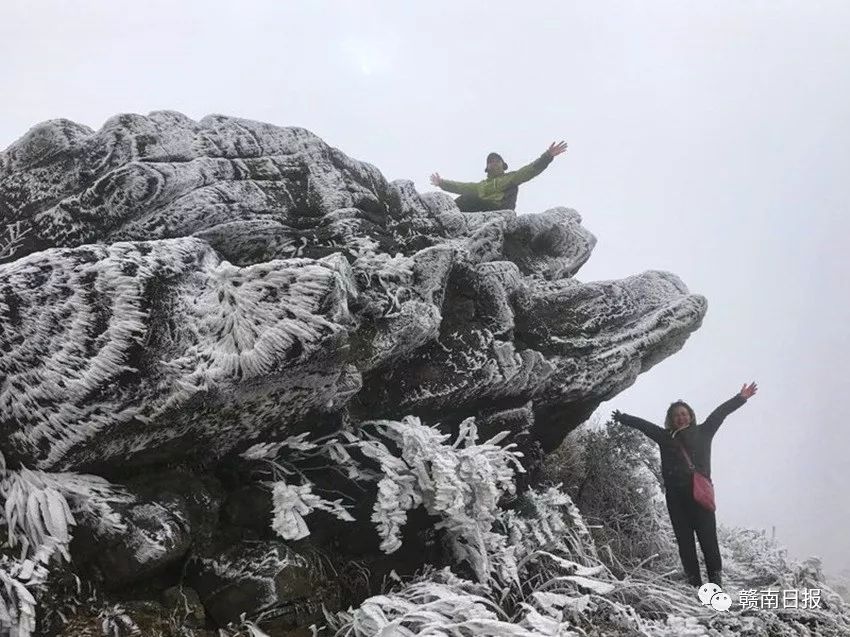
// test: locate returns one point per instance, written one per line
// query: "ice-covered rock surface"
(173, 288)
(174, 292)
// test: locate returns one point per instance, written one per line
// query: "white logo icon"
(712, 595)
(721, 601)
(706, 591)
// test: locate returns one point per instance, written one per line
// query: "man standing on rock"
(499, 190)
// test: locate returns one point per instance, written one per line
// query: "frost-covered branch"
(12, 238)
(38, 513)
(459, 482)
(40, 506)
(292, 502)
(17, 602)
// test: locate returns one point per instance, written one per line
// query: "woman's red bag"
(703, 489)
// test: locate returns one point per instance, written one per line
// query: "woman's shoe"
(715, 578)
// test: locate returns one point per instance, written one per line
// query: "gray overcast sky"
(708, 139)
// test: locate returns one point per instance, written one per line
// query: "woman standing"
(686, 451)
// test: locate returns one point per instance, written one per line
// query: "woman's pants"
(688, 517)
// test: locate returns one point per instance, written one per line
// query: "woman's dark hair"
(668, 419)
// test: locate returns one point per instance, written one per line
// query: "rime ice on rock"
(153, 351)
(173, 287)
(174, 292)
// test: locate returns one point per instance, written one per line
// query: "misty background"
(707, 139)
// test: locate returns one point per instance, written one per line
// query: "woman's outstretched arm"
(653, 431)
(716, 418)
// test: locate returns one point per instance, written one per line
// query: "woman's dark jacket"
(695, 438)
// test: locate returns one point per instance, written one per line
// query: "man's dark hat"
(495, 156)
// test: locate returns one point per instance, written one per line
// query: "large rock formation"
(173, 292)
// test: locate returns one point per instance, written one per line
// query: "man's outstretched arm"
(536, 167)
(457, 187)
(655, 432)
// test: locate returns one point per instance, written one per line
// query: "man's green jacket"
(499, 192)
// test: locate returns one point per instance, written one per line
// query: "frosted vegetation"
(593, 555)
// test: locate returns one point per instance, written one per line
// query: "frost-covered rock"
(161, 516)
(155, 535)
(173, 287)
(250, 577)
(174, 293)
(156, 351)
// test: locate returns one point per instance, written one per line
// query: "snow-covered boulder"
(174, 293)
(173, 287)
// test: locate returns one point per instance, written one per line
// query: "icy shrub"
(613, 474)
(292, 502)
(460, 483)
(39, 509)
